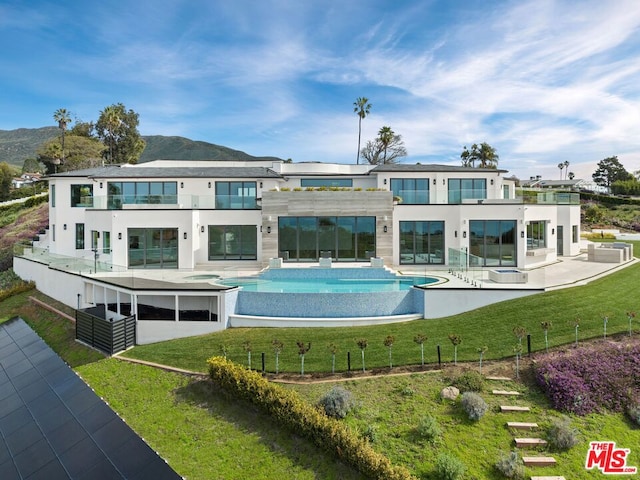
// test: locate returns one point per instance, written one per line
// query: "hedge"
(290, 410)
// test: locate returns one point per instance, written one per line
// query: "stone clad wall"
(377, 204)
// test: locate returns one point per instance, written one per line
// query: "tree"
(484, 153)
(118, 129)
(482, 350)
(31, 165)
(610, 170)
(561, 166)
(361, 107)
(388, 342)
(362, 345)
(83, 129)
(6, 175)
(630, 317)
(386, 148)
(63, 117)
(333, 348)
(455, 341)
(82, 152)
(302, 351)
(420, 339)
(277, 348)
(520, 332)
(572, 175)
(247, 348)
(566, 168)
(576, 324)
(545, 327)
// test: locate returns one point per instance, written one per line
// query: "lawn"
(612, 296)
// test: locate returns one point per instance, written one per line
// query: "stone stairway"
(527, 443)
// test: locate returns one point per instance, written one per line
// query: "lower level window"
(422, 242)
(536, 235)
(492, 242)
(153, 247)
(79, 236)
(233, 242)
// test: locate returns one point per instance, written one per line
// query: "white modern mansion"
(199, 216)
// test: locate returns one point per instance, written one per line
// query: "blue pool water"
(339, 282)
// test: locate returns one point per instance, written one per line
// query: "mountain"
(22, 143)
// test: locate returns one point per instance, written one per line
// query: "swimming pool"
(329, 293)
(327, 285)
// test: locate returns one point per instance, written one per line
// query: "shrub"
(337, 402)
(561, 435)
(511, 465)
(469, 381)
(449, 467)
(634, 413)
(428, 428)
(591, 379)
(474, 405)
(288, 409)
(370, 433)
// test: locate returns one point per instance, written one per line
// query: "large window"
(536, 235)
(236, 195)
(346, 239)
(422, 242)
(326, 182)
(79, 236)
(82, 195)
(121, 193)
(153, 247)
(233, 242)
(467, 188)
(493, 242)
(412, 191)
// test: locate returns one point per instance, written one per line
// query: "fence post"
(262, 362)
(348, 361)
(529, 344)
(439, 359)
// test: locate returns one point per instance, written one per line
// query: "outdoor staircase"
(526, 443)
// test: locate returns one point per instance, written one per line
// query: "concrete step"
(552, 477)
(538, 461)
(530, 442)
(500, 379)
(505, 392)
(522, 425)
(513, 408)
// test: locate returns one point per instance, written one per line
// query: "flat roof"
(171, 172)
(52, 425)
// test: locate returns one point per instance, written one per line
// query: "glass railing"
(119, 202)
(467, 267)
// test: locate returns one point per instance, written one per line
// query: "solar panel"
(53, 426)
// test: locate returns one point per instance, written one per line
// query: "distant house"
(567, 184)
(25, 179)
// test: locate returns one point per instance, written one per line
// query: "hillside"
(18, 145)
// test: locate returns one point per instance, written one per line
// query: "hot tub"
(508, 275)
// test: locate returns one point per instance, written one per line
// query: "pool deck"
(566, 272)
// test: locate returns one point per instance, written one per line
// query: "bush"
(289, 410)
(561, 435)
(337, 402)
(370, 433)
(591, 379)
(470, 381)
(449, 467)
(511, 465)
(428, 428)
(474, 405)
(634, 413)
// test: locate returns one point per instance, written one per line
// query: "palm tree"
(112, 119)
(362, 107)
(62, 116)
(566, 168)
(561, 167)
(488, 156)
(386, 137)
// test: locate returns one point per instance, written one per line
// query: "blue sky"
(542, 81)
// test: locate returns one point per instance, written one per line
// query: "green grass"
(393, 406)
(492, 326)
(201, 433)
